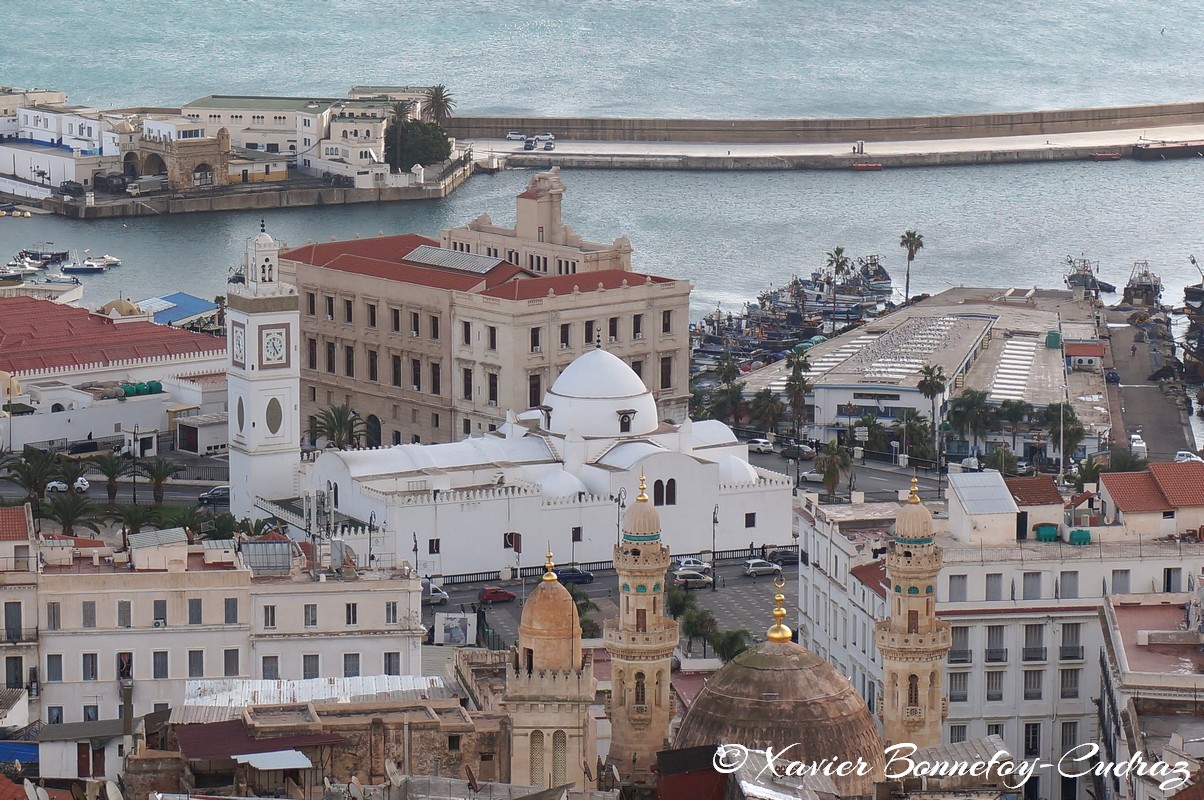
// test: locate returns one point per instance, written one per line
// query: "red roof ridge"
(1135, 492)
(1037, 490)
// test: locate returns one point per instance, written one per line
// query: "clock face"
(239, 337)
(274, 346)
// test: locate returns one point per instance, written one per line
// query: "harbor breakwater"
(822, 131)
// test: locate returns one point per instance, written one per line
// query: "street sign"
(861, 433)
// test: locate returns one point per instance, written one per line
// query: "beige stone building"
(432, 344)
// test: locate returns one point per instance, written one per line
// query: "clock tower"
(263, 353)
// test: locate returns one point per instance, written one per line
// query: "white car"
(81, 485)
(757, 566)
(516, 136)
(1187, 455)
(812, 476)
(545, 137)
(760, 446)
(694, 564)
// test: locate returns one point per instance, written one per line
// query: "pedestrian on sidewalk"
(1133, 351)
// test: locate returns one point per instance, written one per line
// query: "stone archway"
(130, 166)
(202, 175)
(154, 165)
(373, 431)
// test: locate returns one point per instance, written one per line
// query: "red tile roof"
(1039, 490)
(531, 288)
(1135, 492)
(37, 335)
(391, 249)
(219, 741)
(1182, 482)
(1079, 499)
(455, 280)
(1084, 349)
(872, 575)
(78, 541)
(532, 194)
(14, 524)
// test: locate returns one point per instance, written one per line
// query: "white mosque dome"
(598, 394)
(733, 469)
(265, 238)
(557, 483)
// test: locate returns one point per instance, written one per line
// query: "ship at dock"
(1085, 273)
(1144, 287)
(1193, 339)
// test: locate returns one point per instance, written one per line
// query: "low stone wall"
(870, 129)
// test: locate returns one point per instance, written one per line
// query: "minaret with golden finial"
(913, 641)
(779, 632)
(641, 643)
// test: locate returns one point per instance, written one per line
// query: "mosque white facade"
(555, 477)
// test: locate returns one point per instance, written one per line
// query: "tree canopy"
(409, 142)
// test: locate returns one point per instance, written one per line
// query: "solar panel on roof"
(452, 259)
(268, 558)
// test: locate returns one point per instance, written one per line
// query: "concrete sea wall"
(870, 129)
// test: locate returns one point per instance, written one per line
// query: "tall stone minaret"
(912, 641)
(641, 643)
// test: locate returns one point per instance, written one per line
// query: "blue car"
(574, 575)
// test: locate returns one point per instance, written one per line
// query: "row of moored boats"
(35, 263)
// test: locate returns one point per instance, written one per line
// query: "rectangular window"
(534, 391)
(329, 307)
(957, 588)
(309, 667)
(194, 611)
(90, 667)
(415, 374)
(311, 353)
(372, 371)
(1032, 586)
(91, 713)
(372, 315)
(612, 326)
(436, 379)
(1033, 678)
(434, 327)
(994, 586)
(491, 337)
(351, 665)
(395, 314)
(1070, 736)
(330, 356)
(230, 663)
(349, 360)
(1072, 647)
(432, 547)
(535, 332)
(391, 612)
(996, 652)
(393, 663)
(750, 519)
(54, 715)
(353, 614)
(271, 668)
(995, 686)
(995, 729)
(492, 379)
(960, 653)
(159, 665)
(1032, 739)
(453, 742)
(414, 317)
(1068, 585)
(396, 368)
(957, 733)
(54, 619)
(54, 667)
(589, 333)
(638, 368)
(123, 614)
(89, 614)
(196, 663)
(958, 682)
(667, 372)
(1120, 581)
(231, 610)
(269, 617)
(565, 332)
(666, 322)
(311, 303)
(578, 533)
(435, 421)
(637, 326)
(1069, 682)
(466, 333)
(311, 615)
(1034, 642)
(466, 382)
(348, 308)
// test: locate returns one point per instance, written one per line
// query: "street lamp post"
(620, 505)
(714, 561)
(134, 473)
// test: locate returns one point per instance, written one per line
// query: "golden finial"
(643, 495)
(779, 632)
(549, 569)
(914, 497)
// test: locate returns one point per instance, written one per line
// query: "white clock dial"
(273, 347)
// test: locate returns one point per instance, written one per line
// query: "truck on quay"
(140, 186)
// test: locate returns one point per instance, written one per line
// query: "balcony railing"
(20, 635)
(961, 657)
(996, 655)
(1071, 652)
(1070, 692)
(994, 697)
(1034, 654)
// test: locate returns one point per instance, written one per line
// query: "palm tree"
(134, 518)
(797, 388)
(439, 103)
(342, 427)
(1122, 460)
(932, 385)
(679, 601)
(157, 470)
(699, 623)
(1066, 433)
(832, 463)
(397, 122)
(877, 434)
(1014, 412)
(729, 644)
(71, 510)
(838, 265)
(914, 242)
(222, 526)
(970, 413)
(32, 473)
(727, 370)
(914, 433)
(1086, 473)
(767, 409)
(190, 518)
(699, 404)
(112, 466)
(727, 400)
(797, 361)
(69, 470)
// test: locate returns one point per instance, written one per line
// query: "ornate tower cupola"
(913, 641)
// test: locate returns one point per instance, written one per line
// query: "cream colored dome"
(557, 483)
(550, 628)
(733, 469)
(914, 520)
(123, 307)
(642, 522)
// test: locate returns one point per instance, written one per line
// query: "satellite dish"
(30, 792)
(112, 791)
(395, 776)
(472, 779)
(92, 790)
(17, 764)
(43, 794)
(355, 789)
(326, 782)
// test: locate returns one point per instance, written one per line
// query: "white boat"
(24, 264)
(57, 278)
(107, 260)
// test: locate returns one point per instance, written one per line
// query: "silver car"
(757, 566)
(689, 579)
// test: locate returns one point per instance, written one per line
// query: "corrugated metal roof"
(983, 493)
(75, 731)
(10, 697)
(158, 538)
(452, 259)
(217, 544)
(970, 751)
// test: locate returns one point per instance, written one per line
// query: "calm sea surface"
(733, 234)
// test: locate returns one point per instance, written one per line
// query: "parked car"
(529, 144)
(689, 579)
(495, 594)
(782, 556)
(801, 452)
(544, 137)
(760, 446)
(218, 495)
(516, 136)
(81, 485)
(694, 565)
(1025, 467)
(757, 566)
(433, 595)
(549, 145)
(72, 188)
(570, 574)
(1187, 455)
(1113, 376)
(811, 476)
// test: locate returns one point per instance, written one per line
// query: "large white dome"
(598, 395)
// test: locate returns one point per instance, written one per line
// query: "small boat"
(1156, 151)
(22, 266)
(1084, 273)
(1144, 287)
(82, 268)
(864, 167)
(106, 259)
(43, 253)
(59, 278)
(1105, 156)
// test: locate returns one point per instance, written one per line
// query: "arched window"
(671, 492)
(913, 690)
(624, 423)
(559, 757)
(641, 691)
(373, 431)
(537, 777)
(336, 495)
(658, 493)
(57, 407)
